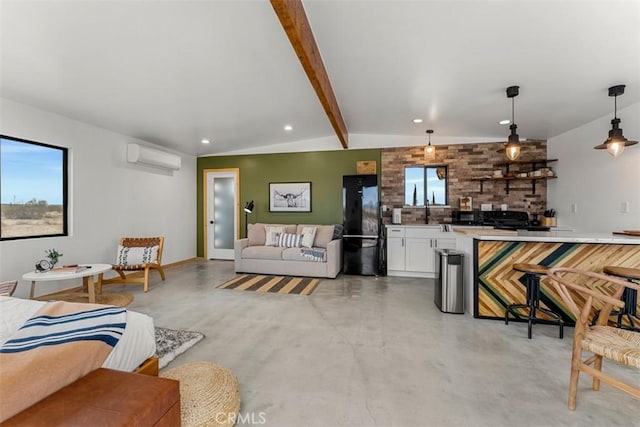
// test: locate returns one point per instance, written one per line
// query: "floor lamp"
(248, 208)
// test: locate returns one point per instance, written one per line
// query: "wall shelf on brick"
(465, 161)
(534, 163)
(533, 180)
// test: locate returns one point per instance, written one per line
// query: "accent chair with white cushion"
(137, 254)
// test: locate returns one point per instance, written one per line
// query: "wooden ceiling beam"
(296, 25)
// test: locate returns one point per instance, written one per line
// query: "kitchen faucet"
(426, 211)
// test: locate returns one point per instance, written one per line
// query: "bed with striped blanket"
(46, 346)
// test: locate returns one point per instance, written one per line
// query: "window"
(426, 180)
(33, 189)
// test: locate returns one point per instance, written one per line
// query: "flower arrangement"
(53, 255)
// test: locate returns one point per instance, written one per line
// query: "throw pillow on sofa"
(324, 234)
(308, 235)
(256, 234)
(288, 240)
(273, 236)
(337, 231)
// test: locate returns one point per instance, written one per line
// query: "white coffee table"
(86, 275)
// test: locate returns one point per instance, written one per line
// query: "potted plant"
(53, 256)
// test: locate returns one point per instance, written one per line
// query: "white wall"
(109, 198)
(594, 180)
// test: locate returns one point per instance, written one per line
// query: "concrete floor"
(363, 351)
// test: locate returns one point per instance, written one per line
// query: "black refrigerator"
(361, 221)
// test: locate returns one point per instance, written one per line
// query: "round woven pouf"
(209, 394)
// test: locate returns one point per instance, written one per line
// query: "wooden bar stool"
(629, 296)
(532, 273)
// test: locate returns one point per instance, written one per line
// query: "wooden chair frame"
(138, 242)
(8, 288)
(582, 328)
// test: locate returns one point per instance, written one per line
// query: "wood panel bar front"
(497, 285)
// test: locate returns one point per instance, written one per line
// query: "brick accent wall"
(465, 161)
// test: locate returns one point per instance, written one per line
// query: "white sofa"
(253, 255)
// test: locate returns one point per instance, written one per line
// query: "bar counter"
(494, 284)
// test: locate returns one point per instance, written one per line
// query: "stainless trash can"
(449, 292)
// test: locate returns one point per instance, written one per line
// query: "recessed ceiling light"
(417, 120)
(504, 122)
(205, 141)
(288, 128)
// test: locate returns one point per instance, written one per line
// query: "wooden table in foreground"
(86, 275)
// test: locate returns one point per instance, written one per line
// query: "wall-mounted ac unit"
(151, 157)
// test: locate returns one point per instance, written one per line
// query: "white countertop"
(560, 236)
(553, 236)
(434, 226)
(425, 230)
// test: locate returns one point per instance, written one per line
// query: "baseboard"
(179, 263)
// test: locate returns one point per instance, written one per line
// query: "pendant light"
(429, 150)
(616, 142)
(513, 145)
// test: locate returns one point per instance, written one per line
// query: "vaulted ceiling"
(175, 72)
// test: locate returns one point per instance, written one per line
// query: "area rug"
(272, 284)
(171, 343)
(121, 299)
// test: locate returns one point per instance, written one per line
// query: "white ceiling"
(174, 72)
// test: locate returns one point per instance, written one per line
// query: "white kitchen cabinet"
(411, 250)
(419, 254)
(395, 248)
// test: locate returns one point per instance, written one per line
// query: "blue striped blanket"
(315, 254)
(104, 324)
(62, 342)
